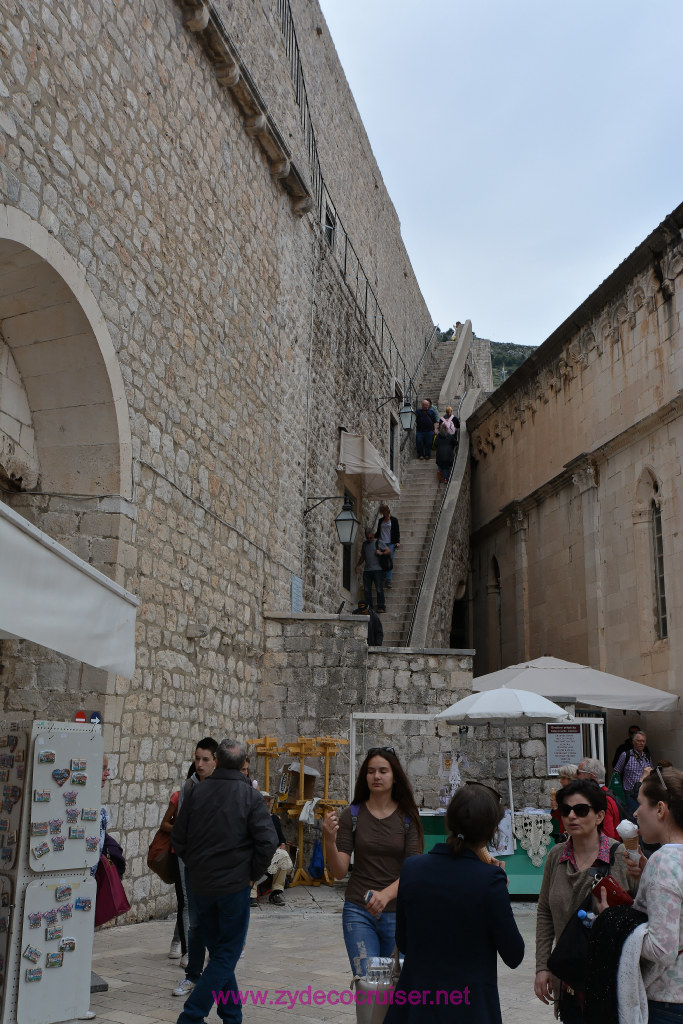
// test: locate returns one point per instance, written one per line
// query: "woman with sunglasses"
(569, 874)
(453, 918)
(381, 828)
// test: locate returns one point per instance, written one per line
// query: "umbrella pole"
(507, 750)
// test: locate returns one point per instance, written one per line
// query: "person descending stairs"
(416, 510)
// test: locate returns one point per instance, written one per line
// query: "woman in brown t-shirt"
(381, 828)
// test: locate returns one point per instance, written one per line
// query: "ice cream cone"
(483, 854)
(633, 848)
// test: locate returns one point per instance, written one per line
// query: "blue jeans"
(387, 575)
(664, 1013)
(366, 935)
(223, 923)
(424, 439)
(194, 938)
(371, 576)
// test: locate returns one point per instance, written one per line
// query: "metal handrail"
(352, 268)
(422, 359)
(436, 523)
(429, 553)
(412, 380)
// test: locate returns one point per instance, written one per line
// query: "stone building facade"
(576, 490)
(202, 280)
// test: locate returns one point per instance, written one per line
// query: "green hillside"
(507, 357)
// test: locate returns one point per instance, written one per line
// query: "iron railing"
(338, 238)
(469, 379)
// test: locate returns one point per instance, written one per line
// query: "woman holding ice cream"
(660, 894)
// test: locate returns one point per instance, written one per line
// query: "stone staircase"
(416, 511)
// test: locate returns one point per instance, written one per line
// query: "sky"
(528, 145)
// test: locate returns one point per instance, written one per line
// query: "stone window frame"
(495, 615)
(661, 620)
(649, 545)
(330, 226)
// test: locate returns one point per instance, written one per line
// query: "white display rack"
(47, 892)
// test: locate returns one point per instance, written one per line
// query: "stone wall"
(189, 357)
(574, 457)
(318, 669)
(453, 572)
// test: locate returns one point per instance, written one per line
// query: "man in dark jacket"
(425, 418)
(226, 839)
(389, 532)
(375, 628)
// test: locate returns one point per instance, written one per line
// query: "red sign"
(79, 716)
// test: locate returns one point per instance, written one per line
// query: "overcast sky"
(528, 145)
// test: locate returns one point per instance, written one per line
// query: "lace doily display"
(534, 832)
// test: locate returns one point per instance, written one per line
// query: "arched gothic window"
(661, 628)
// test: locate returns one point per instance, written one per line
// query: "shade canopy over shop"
(50, 596)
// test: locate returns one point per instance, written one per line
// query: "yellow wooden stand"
(322, 746)
(267, 748)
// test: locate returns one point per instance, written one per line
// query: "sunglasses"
(473, 782)
(580, 810)
(380, 750)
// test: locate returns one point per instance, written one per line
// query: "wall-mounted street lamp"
(346, 522)
(406, 413)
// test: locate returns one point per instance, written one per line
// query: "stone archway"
(62, 350)
(65, 442)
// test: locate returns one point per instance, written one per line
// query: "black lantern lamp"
(406, 415)
(346, 522)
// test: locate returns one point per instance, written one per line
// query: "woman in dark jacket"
(453, 917)
(445, 453)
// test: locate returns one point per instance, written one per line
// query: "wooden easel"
(302, 749)
(321, 746)
(267, 748)
(330, 747)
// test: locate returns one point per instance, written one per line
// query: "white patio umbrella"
(504, 705)
(574, 683)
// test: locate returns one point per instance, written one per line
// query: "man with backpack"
(631, 765)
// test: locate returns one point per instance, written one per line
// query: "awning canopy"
(50, 596)
(578, 684)
(360, 459)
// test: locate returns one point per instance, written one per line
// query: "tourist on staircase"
(425, 418)
(445, 453)
(373, 572)
(389, 533)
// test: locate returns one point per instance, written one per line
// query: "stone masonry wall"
(241, 351)
(573, 457)
(454, 568)
(318, 670)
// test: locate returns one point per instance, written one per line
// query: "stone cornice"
(594, 325)
(583, 471)
(201, 17)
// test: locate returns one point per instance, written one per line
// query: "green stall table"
(524, 879)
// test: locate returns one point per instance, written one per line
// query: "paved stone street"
(293, 948)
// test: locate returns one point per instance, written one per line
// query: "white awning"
(359, 458)
(50, 596)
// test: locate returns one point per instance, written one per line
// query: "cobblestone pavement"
(287, 948)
